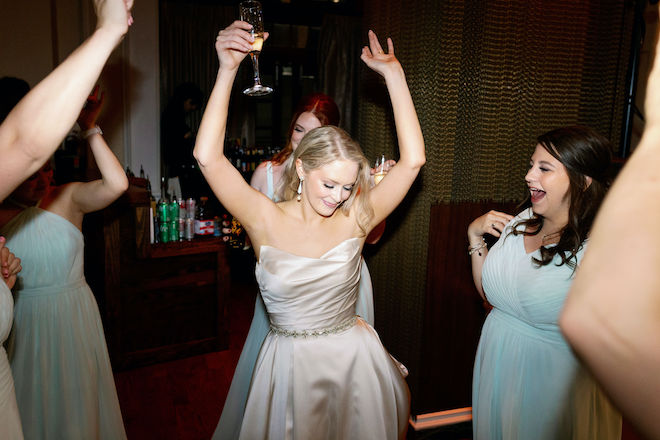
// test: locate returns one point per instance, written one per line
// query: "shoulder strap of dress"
(269, 180)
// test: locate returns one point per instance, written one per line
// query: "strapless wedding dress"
(322, 372)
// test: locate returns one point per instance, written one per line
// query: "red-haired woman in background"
(315, 110)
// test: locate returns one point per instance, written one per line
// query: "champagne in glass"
(251, 13)
(380, 169)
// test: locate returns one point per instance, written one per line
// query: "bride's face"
(327, 187)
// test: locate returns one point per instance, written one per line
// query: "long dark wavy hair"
(320, 105)
(583, 152)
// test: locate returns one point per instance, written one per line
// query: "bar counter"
(158, 301)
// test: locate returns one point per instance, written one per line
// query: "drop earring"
(299, 189)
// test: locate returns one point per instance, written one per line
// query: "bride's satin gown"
(338, 382)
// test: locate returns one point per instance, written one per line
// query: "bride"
(322, 371)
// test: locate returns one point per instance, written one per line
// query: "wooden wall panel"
(453, 313)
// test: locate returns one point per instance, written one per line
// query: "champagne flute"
(382, 168)
(251, 13)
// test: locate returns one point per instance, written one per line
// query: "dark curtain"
(187, 53)
(487, 78)
(338, 64)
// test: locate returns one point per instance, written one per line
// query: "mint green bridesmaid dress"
(527, 382)
(57, 350)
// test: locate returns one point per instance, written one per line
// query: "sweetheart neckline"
(302, 256)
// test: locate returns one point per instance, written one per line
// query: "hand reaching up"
(114, 14)
(377, 60)
(233, 43)
(91, 109)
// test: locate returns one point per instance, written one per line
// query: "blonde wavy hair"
(320, 147)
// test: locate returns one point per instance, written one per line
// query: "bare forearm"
(97, 194)
(53, 105)
(409, 132)
(210, 138)
(113, 175)
(477, 258)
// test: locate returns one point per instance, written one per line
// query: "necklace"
(550, 235)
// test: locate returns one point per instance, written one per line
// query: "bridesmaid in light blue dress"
(31, 131)
(57, 350)
(527, 382)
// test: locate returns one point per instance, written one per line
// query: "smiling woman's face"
(549, 185)
(305, 122)
(327, 187)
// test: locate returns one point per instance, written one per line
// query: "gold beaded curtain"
(487, 77)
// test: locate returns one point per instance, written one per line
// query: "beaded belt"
(317, 332)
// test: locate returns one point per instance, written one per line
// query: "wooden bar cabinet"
(158, 301)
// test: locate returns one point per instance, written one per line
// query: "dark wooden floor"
(183, 399)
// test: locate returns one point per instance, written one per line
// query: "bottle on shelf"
(182, 219)
(153, 226)
(163, 214)
(203, 224)
(173, 216)
(217, 227)
(190, 219)
(236, 239)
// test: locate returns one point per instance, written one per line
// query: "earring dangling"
(299, 189)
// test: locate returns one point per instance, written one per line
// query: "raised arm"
(242, 201)
(390, 191)
(612, 314)
(97, 194)
(39, 122)
(493, 222)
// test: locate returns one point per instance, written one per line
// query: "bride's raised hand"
(377, 60)
(233, 43)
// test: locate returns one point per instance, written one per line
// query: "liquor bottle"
(182, 219)
(163, 214)
(190, 218)
(236, 239)
(217, 227)
(173, 215)
(153, 227)
(203, 224)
